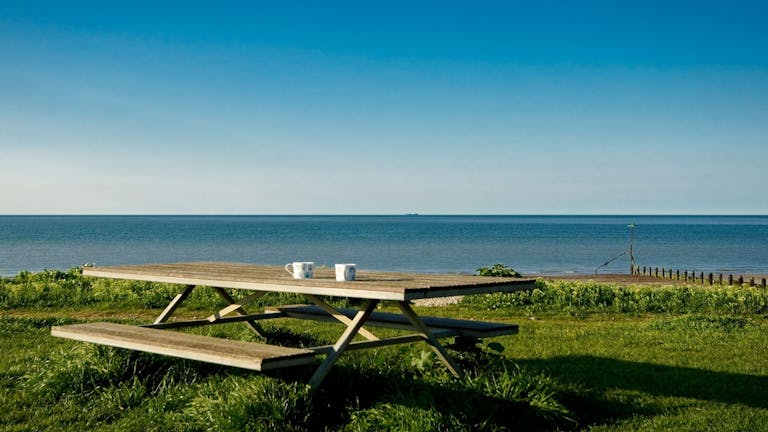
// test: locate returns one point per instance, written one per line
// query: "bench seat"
(457, 327)
(242, 354)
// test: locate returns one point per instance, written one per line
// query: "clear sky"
(384, 107)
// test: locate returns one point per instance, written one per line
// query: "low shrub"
(45, 289)
(498, 270)
(53, 288)
(589, 297)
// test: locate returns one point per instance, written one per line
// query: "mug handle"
(290, 272)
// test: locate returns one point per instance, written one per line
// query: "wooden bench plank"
(242, 354)
(468, 328)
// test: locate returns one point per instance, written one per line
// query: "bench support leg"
(430, 338)
(341, 345)
(176, 302)
(340, 317)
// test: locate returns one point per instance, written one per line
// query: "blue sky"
(552, 107)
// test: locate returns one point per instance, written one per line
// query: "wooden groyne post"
(692, 276)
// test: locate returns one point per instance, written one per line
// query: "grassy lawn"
(588, 357)
(653, 372)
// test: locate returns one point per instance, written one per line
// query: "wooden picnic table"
(370, 287)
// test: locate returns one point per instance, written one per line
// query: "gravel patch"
(438, 301)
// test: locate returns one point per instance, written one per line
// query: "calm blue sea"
(530, 244)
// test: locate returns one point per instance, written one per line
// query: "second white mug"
(345, 272)
(301, 270)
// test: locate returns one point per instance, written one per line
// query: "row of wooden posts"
(700, 277)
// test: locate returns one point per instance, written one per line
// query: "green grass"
(588, 357)
(578, 298)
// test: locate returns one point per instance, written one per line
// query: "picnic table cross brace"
(354, 327)
(237, 307)
(232, 306)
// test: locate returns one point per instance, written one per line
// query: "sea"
(533, 245)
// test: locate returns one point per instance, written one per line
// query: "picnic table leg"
(430, 338)
(176, 302)
(341, 345)
(339, 316)
(237, 307)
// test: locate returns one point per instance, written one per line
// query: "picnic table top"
(368, 284)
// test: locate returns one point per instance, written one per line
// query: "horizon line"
(389, 214)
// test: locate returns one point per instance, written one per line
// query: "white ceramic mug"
(345, 272)
(301, 270)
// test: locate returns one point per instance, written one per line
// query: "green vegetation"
(498, 270)
(580, 298)
(588, 356)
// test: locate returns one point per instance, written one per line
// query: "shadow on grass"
(289, 338)
(599, 375)
(369, 389)
(365, 397)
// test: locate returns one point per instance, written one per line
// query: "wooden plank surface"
(247, 355)
(467, 328)
(371, 285)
